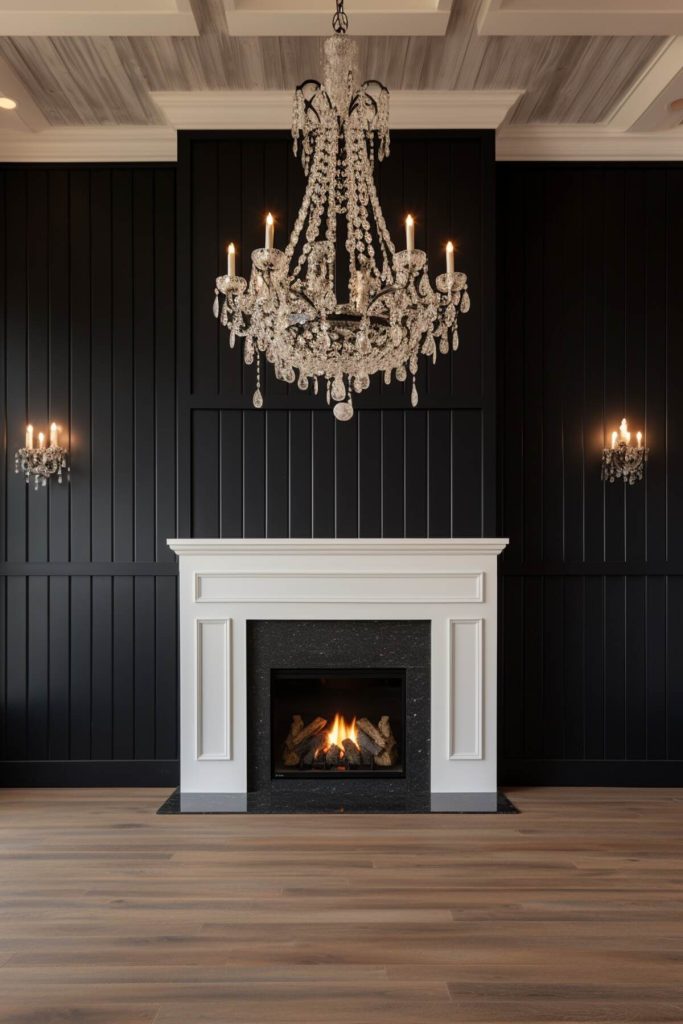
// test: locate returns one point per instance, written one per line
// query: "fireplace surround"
(367, 669)
(228, 587)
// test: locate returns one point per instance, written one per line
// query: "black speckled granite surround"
(345, 644)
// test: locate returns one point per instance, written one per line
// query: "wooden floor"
(570, 911)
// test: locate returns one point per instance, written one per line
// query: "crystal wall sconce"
(41, 462)
(624, 460)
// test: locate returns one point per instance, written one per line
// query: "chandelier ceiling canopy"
(289, 309)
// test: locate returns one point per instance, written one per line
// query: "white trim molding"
(313, 17)
(269, 109)
(466, 691)
(212, 690)
(115, 144)
(226, 583)
(340, 547)
(586, 142)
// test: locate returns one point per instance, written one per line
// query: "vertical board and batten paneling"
(87, 584)
(590, 329)
(100, 267)
(293, 470)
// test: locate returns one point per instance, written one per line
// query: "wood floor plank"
(569, 912)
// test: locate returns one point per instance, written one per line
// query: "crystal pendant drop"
(216, 306)
(443, 346)
(232, 339)
(338, 391)
(456, 339)
(343, 411)
(465, 302)
(258, 399)
(413, 395)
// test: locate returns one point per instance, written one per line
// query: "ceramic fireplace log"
(373, 732)
(387, 758)
(312, 729)
(384, 726)
(332, 755)
(368, 747)
(351, 752)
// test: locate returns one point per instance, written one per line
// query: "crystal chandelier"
(288, 311)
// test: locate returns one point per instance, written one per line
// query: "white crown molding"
(253, 109)
(150, 144)
(579, 18)
(158, 143)
(313, 17)
(355, 546)
(104, 18)
(586, 142)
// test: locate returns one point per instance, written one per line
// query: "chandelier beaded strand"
(288, 309)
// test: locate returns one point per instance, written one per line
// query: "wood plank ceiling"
(105, 81)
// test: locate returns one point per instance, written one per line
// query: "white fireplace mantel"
(226, 583)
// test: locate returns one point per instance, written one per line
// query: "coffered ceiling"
(558, 78)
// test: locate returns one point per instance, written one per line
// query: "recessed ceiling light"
(6, 103)
(676, 105)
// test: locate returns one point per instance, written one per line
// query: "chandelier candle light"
(622, 459)
(288, 311)
(41, 462)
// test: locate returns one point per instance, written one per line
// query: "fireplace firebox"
(329, 723)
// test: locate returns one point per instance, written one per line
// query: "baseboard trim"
(590, 773)
(88, 773)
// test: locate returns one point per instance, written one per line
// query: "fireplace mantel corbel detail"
(224, 584)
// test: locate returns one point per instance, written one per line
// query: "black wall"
(293, 470)
(88, 586)
(164, 446)
(590, 330)
(103, 268)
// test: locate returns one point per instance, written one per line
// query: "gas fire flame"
(341, 730)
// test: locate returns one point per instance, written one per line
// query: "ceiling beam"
(314, 17)
(104, 18)
(254, 109)
(580, 18)
(646, 106)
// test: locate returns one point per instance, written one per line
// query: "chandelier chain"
(340, 20)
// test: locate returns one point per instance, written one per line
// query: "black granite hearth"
(320, 803)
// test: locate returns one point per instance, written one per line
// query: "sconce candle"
(231, 260)
(40, 463)
(622, 459)
(270, 231)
